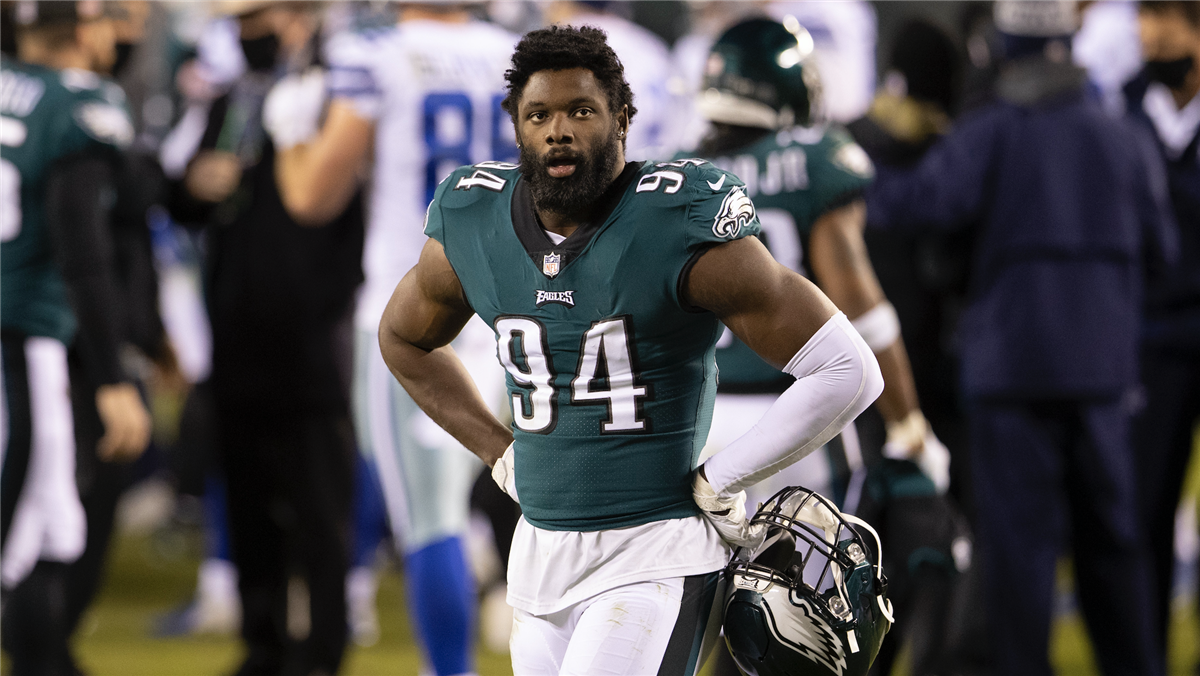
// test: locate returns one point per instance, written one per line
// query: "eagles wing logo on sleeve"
(809, 633)
(105, 123)
(735, 213)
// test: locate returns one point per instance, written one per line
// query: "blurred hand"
(292, 111)
(126, 423)
(213, 175)
(727, 513)
(913, 439)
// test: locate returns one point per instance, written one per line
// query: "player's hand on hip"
(727, 513)
(913, 439)
(126, 423)
(292, 110)
(504, 474)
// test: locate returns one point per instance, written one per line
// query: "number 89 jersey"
(611, 376)
(433, 90)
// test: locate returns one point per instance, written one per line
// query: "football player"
(421, 97)
(62, 129)
(806, 179)
(604, 282)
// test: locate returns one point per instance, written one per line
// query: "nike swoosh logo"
(718, 184)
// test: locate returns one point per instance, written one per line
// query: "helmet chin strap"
(887, 611)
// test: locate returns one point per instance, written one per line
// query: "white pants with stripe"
(426, 474)
(47, 522)
(658, 627)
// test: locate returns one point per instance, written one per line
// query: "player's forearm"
(441, 386)
(899, 396)
(313, 192)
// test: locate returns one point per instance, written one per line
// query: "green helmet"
(760, 74)
(811, 599)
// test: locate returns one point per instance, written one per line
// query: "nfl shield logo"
(550, 264)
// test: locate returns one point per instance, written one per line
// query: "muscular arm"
(424, 314)
(840, 263)
(317, 179)
(792, 325)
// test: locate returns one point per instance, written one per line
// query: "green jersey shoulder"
(45, 115)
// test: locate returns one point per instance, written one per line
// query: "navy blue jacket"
(1069, 205)
(1173, 301)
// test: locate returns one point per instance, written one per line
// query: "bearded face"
(569, 179)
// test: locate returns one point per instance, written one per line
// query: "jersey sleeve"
(719, 210)
(352, 72)
(840, 172)
(94, 124)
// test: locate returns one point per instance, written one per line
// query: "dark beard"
(575, 194)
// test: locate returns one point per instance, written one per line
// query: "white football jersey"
(433, 90)
(648, 70)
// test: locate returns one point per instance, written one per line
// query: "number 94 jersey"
(611, 375)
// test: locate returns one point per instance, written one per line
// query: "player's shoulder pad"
(469, 184)
(718, 208)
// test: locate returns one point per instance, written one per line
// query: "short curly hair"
(561, 48)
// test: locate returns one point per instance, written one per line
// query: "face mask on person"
(261, 53)
(1171, 73)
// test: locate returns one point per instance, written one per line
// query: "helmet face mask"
(760, 73)
(811, 599)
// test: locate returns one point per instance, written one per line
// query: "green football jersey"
(611, 375)
(45, 115)
(794, 177)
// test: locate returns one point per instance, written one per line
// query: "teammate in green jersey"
(806, 178)
(605, 283)
(60, 128)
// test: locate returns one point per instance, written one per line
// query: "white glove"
(292, 110)
(727, 513)
(913, 439)
(504, 473)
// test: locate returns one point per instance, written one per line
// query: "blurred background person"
(1067, 204)
(421, 98)
(1165, 101)
(648, 68)
(806, 179)
(64, 128)
(279, 296)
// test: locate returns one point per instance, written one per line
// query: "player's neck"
(565, 224)
(423, 13)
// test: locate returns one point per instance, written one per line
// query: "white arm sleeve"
(837, 377)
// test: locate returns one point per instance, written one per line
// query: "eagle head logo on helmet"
(811, 599)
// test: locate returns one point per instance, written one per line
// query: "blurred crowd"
(1031, 187)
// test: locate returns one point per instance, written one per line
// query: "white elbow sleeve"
(837, 377)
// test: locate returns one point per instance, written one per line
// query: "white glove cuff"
(504, 473)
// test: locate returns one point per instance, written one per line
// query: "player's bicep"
(769, 307)
(428, 308)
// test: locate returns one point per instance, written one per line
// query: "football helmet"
(812, 598)
(760, 74)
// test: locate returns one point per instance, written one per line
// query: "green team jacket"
(611, 376)
(45, 116)
(794, 177)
